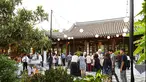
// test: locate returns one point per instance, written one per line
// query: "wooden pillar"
(108, 44)
(85, 46)
(88, 48)
(53, 49)
(66, 48)
(95, 45)
(61, 48)
(73, 46)
(58, 48)
(113, 44)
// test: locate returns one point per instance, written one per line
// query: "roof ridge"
(98, 21)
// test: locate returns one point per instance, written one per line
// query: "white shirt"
(54, 59)
(40, 58)
(59, 60)
(75, 58)
(100, 56)
(128, 58)
(34, 56)
(25, 59)
(88, 59)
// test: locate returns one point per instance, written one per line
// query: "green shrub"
(117, 52)
(58, 75)
(34, 78)
(90, 78)
(37, 78)
(25, 77)
(7, 69)
(78, 53)
(52, 75)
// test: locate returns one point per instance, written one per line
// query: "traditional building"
(92, 35)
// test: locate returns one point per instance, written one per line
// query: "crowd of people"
(79, 64)
(24, 63)
(101, 61)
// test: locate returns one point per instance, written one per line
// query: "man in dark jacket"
(113, 60)
(123, 66)
(97, 65)
(63, 58)
(50, 59)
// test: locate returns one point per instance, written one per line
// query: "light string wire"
(63, 18)
(127, 8)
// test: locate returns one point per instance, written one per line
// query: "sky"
(67, 12)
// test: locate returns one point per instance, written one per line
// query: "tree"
(16, 29)
(6, 13)
(140, 26)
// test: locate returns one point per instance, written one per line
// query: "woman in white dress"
(59, 60)
(54, 60)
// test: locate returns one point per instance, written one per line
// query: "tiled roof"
(109, 27)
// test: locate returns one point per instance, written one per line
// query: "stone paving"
(138, 77)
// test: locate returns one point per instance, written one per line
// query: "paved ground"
(138, 77)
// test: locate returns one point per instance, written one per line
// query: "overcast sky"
(67, 12)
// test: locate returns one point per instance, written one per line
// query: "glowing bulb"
(117, 35)
(96, 36)
(126, 19)
(58, 39)
(125, 29)
(124, 34)
(108, 37)
(81, 30)
(65, 36)
(69, 38)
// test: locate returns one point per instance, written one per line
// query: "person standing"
(63, 59)
(97, 65)
(25, 61)
(50, 59)
(113, 59)
(128, 62)
(119, 58)
(54, 60)
(123, 66)
(82, 64)
(107, 66)
(39, 57)
(100, 56)
(69, 57)
(88, 61)
(59, 60)
(92, 62)
(74, 65)
(20, 66)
